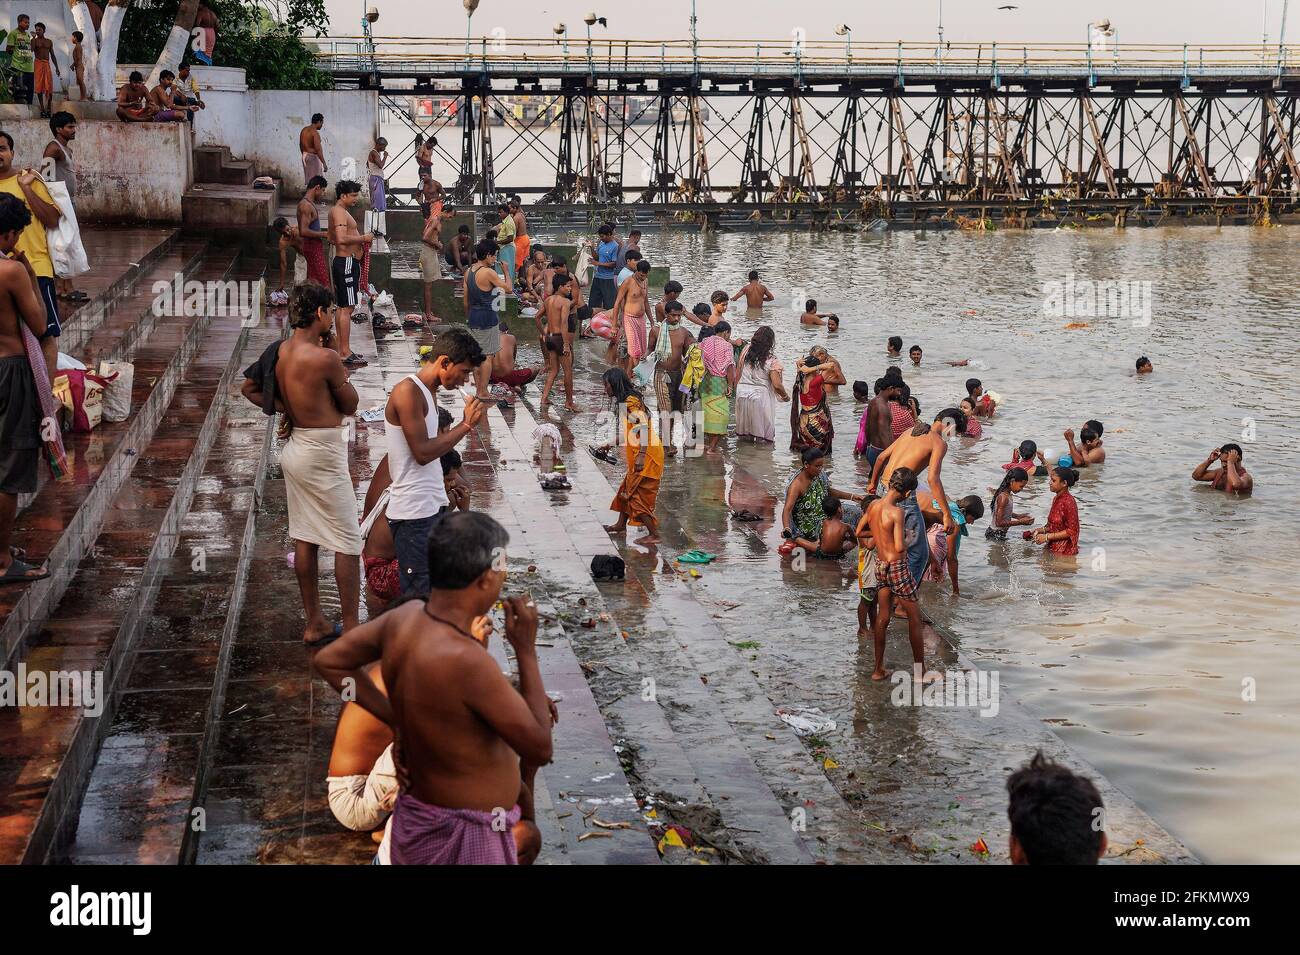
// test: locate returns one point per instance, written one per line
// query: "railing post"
(1186, 80)
(898, 67)
(996, 80)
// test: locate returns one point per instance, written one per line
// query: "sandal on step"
(20, 572)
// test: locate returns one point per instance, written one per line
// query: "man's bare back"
(312, 383)
(455, 758)
(18, 303)
(309, 140)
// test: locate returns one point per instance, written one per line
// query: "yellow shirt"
(32, 242)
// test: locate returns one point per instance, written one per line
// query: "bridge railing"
(502, 55)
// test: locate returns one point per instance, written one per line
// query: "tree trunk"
(178, 41)
(89, 48)
(110, 29)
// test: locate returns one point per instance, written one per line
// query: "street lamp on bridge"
(591, 20)
(562, 30)
(846, 31)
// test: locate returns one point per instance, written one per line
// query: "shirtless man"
(313, 154)
(20, 408)
(668, 372)
(464, 731)
(810, 314)
(431, 259)
(921, 449)
(897, 584)
(877, 433)
(349, 247)
(754, 292)
(831, 372)
(290, 242)
(504, 370)
(1230, 477)
(133, 104)
(629, 318)
(310, 236)
(161, 98)
(313, 391)
(78, 62)
(557, 341)
(362, 779)
(672, 292)
(1089, 451)
(43, 51)
(460, 252)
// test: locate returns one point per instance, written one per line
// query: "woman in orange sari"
(644, 451)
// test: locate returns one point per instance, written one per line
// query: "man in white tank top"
(417, 497)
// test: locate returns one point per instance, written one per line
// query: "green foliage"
(265, 43)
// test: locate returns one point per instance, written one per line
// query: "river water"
(1167, 652)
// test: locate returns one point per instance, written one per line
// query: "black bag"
(606, 567)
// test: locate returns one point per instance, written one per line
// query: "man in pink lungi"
(469, 742)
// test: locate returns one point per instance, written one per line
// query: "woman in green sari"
(715, 391)
(803, 513)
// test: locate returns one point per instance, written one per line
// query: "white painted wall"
(262, 126)
(127, 172)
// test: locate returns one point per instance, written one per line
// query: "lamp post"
(591, 20)
(695, 43)
(470, 7)
(1102, 30)
(370, 17)
(562, 30)
(846, 31)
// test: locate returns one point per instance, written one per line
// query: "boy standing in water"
(885, 519)
(754, 292)
(461, 729)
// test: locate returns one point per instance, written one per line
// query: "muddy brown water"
(1166, 652)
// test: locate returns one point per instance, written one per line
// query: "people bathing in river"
(758, 387)
(837, 535)
(944, 546)
(1055, 816)
(875, 428)
(973, 428)
(1088, 451)
(1230, 476)
(754, 292)
(719, 358)
(1144, 366)
(811, 316)
(1027, 457)
(1003, 518)
(803, 513)
(896, 578)
(894, 346)
(1061, 532)
(810, 417)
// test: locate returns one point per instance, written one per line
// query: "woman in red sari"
(810, 418)
(1061, 533)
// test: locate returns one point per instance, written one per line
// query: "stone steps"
(103, 583)
(137, 807)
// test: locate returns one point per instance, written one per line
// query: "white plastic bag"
(117, 395)
(644, 372)
(66, 251)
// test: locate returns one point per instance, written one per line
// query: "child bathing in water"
(837, 537)
(1061, 532)
(1024, 456)
(1003, 518)
(973, 428)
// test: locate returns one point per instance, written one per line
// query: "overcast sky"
(1137, 21)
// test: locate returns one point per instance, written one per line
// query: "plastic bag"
(120, 376)
(83, 395)
(644, 372)
(805, 720)
(66, 251)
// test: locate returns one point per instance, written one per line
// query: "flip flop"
(744, 515)
(77, 295)
(599, 455)
(355, 361)
(697, 557)
(18, 571)
(327, 638)
(409, 323)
